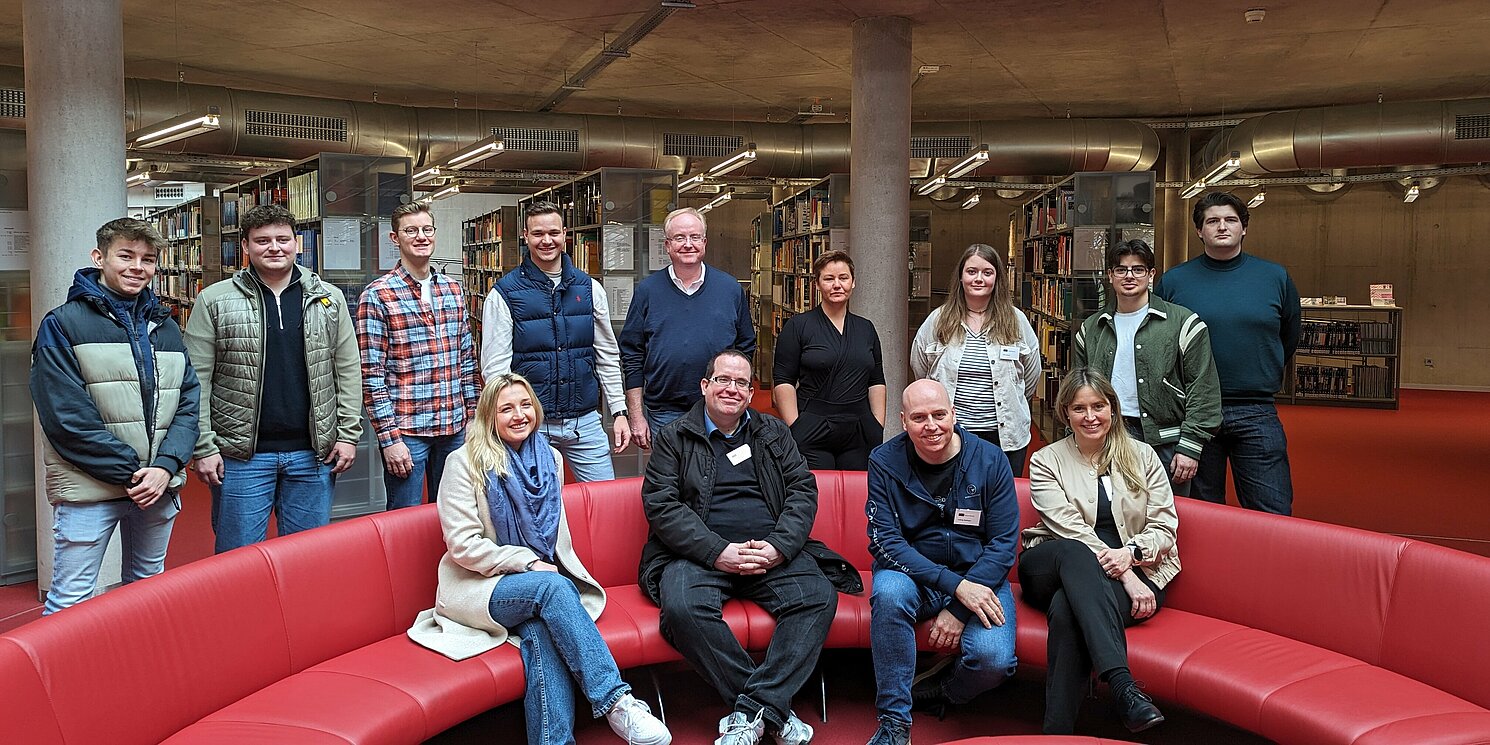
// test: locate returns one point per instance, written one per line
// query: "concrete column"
(879, 187)
(74, 51)
(1175, 229)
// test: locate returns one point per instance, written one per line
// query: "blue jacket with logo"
(553, 337)
(910, 533)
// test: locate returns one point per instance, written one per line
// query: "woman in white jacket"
(510, 574)
(984, 352)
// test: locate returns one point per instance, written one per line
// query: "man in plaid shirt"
(420, 378)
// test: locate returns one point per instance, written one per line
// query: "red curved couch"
(1298, 631)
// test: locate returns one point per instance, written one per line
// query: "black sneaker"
(927, 692)
(891, 732)
(1136, 708)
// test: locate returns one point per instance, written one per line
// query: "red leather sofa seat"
(1301, 632)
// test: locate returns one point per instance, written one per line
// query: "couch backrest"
(608, 527)
(1438, 623)
(841, 521)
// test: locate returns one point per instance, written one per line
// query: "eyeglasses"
(1129, 271)
(725, 381)
(685, 239)
(411, 232)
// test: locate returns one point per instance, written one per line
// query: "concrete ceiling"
(768, 59)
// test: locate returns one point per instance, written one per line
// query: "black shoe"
(891, 732)
(1136, 708)
(927, 692)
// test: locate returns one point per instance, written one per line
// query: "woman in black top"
(830, 381)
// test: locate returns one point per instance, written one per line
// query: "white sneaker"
(740, 729)
(633, 722)
(794, 732)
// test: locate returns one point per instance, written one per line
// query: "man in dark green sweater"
(1252, 310)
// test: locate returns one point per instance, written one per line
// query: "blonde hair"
(1001, 318)
(1119, 452)
(485, 451)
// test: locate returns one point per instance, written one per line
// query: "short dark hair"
(128, 229)
(539, 209)
(406, 210)
(731, 352)
(264, 215)
(1136, 247)
(830, 257)
(1219, 199)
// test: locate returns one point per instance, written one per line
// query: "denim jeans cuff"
(774, 720)
(609, 703)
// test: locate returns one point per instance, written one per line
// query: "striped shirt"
(419, 371)
(976, 409)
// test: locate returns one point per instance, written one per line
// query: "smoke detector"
(1255, 15)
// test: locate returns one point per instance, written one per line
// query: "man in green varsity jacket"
(1158, 357)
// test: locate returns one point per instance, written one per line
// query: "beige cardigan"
(1064, 490)
(460, 625)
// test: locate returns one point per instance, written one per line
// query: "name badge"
(967, 517)
(1009, 353)
(738, 455)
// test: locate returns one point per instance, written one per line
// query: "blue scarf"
(524, 504)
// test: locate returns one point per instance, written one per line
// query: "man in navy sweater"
(678, 321)
(1252, 310)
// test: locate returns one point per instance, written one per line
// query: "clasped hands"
(946, 630)
(750, 557)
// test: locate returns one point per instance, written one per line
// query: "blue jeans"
(1252, 438)
(561, 648)
(296, 485)
(81, 532)
(656, 420)
(428, 454)
(896, 605)
(584, 444)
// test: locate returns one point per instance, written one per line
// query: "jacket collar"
(87, 286)
(249, 282)
(696, 423)
(1157, 308)
(531, 273)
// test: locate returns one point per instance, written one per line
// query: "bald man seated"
(943, 522)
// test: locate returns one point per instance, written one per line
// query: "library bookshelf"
(1348, 355)
(804, 226)
(192, 259)
(1060, 263)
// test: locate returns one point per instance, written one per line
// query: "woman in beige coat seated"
(1102, 553)
(510, 574)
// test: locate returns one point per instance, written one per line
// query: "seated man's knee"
(894, 593)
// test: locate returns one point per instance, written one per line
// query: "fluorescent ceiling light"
(721, 199)
(931, 185)
(1193, 189)
(1224, 168)
(692, 182)
(1411, 195)
(679, 4)
(971, 201)
(448, 191)
(175, 128)
(742, 157)
(1258, 198)
(481, 150)
(428, 174)
(138, 179)
(969, 164)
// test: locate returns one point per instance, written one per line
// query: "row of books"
(1356, 381)
(1065, 299)
(1363, 337)
(178, 284)
(178, 224)
(1052, 213)
(794, 294)
(483, 229)
(797, 254)
(807, 212)
(1055, 342)
(187, 255)
(301, 197)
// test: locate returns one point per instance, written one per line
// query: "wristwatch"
(1137, 551)
(622, 412)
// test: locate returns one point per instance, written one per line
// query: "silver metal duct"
(1362, 136)
(272, 125)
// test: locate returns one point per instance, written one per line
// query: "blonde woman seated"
(1102, 553)
(511, 576)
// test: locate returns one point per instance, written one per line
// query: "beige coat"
(1064, 490)
(460, 625)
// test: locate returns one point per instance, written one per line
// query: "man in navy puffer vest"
(550, 322)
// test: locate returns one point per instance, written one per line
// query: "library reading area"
(756, 371)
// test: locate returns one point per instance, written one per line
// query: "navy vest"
(553, 337)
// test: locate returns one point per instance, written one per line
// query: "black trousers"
(1016, 457)
(1086, 612)
(796, 594)
(839, 439)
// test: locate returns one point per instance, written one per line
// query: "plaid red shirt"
(419, 371)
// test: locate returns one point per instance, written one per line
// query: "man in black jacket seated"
(730, 502)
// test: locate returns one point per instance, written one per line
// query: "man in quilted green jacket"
(276, 352)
